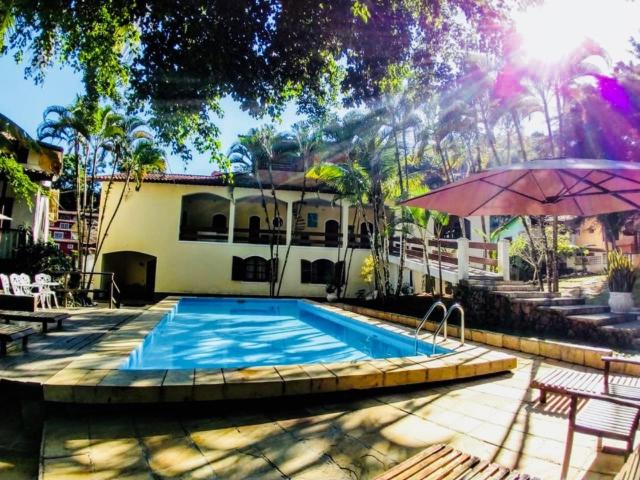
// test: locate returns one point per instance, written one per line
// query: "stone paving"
(344, 436)
(20, 430)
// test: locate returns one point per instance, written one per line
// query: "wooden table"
(11, 333)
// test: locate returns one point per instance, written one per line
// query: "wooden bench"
(451, 464)
(562, 381)
(43, 318)
(11, 333)
(631, 468)
(603, 416)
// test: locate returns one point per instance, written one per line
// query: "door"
(331, 229)
(254, 229)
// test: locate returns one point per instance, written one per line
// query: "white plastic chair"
(43, 279)
(21, 285)
(6, 284)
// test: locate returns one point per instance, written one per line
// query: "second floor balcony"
(313, 223)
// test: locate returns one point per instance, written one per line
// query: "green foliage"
(19, 181)
(176, 60)
(621, 274)
(33, 258)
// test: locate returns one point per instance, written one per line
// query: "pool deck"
(355, 435)
(95, 377)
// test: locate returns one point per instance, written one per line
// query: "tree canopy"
(175, 60)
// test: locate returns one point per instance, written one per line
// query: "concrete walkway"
(349, 436)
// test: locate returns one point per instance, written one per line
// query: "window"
(253, 269)
(322, 271)
(65, 226)
(58, 235)
(312, 220)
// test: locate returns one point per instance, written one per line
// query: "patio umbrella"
(571, 186)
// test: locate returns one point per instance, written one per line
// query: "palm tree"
(262, 149)
(129, 148)
(71, 125)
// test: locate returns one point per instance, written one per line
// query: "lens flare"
(553, 30)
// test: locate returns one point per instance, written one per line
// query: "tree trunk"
(516, 124)
(547, 253)
(556, 280)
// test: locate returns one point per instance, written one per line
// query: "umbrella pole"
(554, 253)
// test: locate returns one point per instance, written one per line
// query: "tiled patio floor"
(334, 437)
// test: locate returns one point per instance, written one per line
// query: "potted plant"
(621, 277)
(332, 295)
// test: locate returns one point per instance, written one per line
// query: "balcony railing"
(260, 237)
(203, 235)
(266, 237)
(460, 253)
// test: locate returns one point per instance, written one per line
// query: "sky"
(24, 102)
(548, 31)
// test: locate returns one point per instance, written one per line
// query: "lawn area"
(593, 288)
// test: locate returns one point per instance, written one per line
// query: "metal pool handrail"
(426, 317)
(443, 323)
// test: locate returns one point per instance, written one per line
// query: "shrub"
(32, 258)
(621, 274)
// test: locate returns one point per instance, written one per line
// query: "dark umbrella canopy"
(571, 186)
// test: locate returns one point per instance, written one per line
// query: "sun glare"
(551, 31)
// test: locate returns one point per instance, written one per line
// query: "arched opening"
(316, 223)
(134, 273)
(254, 229)
(254, 269)
(331, 233)
(254, 225)
(322, 271)
(204, 218)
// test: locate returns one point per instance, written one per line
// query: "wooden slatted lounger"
(631, 469)
(561, 381)
(43, 318)
(11, 333)
(447, 462)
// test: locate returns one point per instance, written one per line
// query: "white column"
(503, 259)
(289, 222)
(232, 220)
(463, 259)
(45, 218)
(345, 223)
(37, 216)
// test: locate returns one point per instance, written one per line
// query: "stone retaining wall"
(499, 311)
(567, 352)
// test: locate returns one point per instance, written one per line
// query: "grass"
(593, 288)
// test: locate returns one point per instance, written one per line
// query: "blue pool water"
(232, 332)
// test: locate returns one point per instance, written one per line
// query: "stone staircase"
(580, 318)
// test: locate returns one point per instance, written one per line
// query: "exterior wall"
(149, 222)
(590, 234)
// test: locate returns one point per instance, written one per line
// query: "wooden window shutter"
(237, 269)
(305, 271)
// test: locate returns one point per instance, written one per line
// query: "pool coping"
(95, 377)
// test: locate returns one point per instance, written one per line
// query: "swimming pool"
(238, 333)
